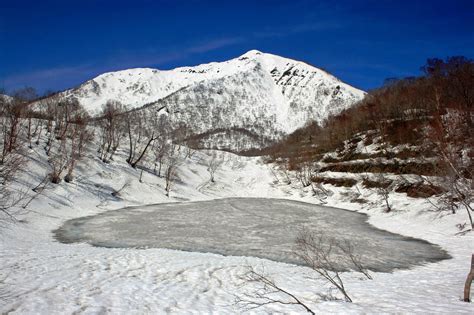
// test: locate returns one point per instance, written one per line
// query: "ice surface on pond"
(265, 228)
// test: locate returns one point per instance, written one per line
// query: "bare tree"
(12, 158)
(469, 280)
(451, 97)
(79, 136)
(38, 190)
(10, 198)
(12, 113)
(68, 136)
(39, 130)
(160, 150)
(304, 172)
(327, 256)
(287, 176)
(267, 292)
(142, 131)
(454, 162)
(58, 162)
(384, 192)
(49, 111)
(214, 163)
(381, 185)
(111, 129)
(66, 109)
(172, 162)
(162, 143)
(188, 151)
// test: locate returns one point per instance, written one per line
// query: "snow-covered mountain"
(4, 97)
(258, 95)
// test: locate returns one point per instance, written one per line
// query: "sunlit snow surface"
(264, 228)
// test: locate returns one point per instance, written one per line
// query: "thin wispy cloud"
(39, 77)
(153, 57)
(378, 38)
(126, 59)
(296, 29)
(215, 44)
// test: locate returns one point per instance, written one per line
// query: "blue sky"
(59, 44)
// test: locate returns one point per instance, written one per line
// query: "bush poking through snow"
(325, 255)
(214, 163)
(328, 257)
(268, 292)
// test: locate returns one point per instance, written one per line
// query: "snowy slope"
(264, 93)
(42, 276)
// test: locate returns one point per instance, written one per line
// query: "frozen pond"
(258, 227)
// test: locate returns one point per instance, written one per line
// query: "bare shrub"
(117, 193)
(214, 163)
(304, 172)
(267, 292)
(381, 185)
(338, 182)
(328, 257)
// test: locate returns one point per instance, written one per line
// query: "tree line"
(67, 133)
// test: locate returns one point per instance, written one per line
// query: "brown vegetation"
(399, 113)
(431, 117)
(338, 182)
(368, 166)
(419, 190)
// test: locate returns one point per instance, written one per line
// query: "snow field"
(43, 276)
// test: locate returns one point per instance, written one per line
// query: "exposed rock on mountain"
(251, 100)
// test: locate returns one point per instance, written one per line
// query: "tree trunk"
(134, 164)
(467, 285)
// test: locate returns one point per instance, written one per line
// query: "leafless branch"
(268, 292)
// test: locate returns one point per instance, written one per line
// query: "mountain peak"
(265, 93)
(251, 54)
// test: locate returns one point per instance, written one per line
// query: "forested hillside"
(413, 135)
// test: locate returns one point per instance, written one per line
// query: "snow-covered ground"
(42, 275)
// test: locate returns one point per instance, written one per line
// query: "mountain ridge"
(268, 95)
